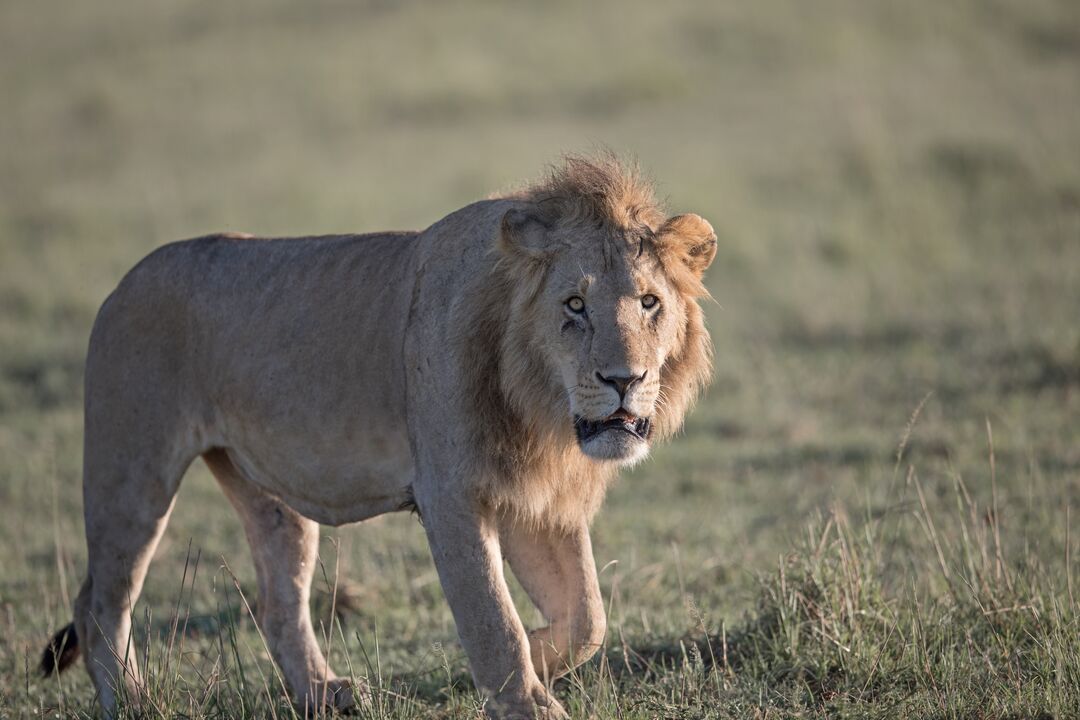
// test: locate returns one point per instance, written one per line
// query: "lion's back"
(258, 327)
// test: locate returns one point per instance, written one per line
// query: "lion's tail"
(61, 651)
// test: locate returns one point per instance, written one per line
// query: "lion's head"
(605, 335)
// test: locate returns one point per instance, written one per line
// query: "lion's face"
(606, 317)
(612, 319)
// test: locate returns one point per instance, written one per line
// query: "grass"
(897, 196)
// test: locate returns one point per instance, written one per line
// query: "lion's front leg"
(557, 570)
(465, 545)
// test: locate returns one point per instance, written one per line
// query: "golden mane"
(603, 189)
(533, 467)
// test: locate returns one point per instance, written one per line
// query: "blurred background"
(896, 191)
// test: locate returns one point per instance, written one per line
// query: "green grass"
(896, 190)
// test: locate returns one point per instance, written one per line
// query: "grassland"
(873, 513)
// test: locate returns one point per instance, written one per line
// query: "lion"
(492, 372)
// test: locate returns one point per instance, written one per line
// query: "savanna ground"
(873, 513)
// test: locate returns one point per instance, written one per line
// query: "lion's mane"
(534, 466)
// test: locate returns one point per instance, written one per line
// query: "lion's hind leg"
(127, 505)
(284, 548)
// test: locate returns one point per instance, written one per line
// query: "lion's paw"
(339, 695)
(538, 704)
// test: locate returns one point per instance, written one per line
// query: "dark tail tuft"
(61, 651)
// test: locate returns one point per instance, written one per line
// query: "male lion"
(492, 371)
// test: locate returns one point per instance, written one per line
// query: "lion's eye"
(575, 305)
(649, 301)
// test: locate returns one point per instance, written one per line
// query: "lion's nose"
(621, 383)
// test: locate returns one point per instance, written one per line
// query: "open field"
(873, 513)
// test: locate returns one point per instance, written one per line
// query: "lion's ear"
(523, 235)
(691, 238)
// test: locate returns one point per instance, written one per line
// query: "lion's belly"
(333, 483)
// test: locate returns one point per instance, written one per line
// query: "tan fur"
(333, 379)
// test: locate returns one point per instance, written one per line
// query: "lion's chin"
(617, 446)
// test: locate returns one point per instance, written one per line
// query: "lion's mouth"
(620, 420)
